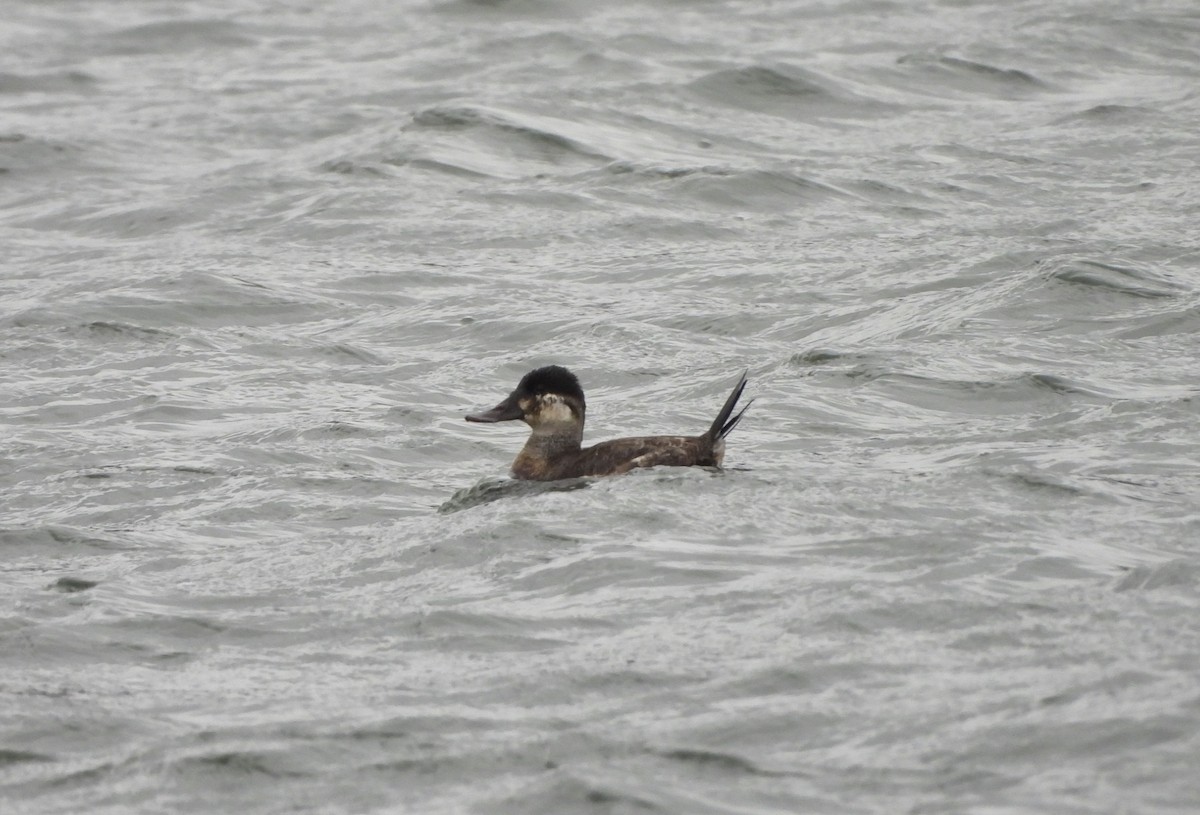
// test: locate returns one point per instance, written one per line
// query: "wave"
(21, 152)
(938, 75)
(51, 82)
(174, 36)
(782, 90)
(1126, 279)
(1178, 574)
(489, 490)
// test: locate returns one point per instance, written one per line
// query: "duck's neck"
(545, 449)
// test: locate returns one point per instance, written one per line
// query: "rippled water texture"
(259, 259)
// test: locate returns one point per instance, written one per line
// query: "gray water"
(259, 259)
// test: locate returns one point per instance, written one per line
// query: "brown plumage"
(550, 400)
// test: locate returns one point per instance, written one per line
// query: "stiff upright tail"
(724, 424)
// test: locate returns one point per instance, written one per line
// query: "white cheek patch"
(555, 409)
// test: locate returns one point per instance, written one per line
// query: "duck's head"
(545, 398)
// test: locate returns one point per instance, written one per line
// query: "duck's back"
(623, 455)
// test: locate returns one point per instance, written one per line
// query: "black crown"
(551, 379)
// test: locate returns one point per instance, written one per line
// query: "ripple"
(106, 329)
(1181, 574)
(58, 538)
(1122, 279)
(941, 75)
(782, 91)
(489, 490)
(71, 585)
(23, 756)
(732, 85)
(490, 141)
(1110, 114)
(757, 190)
(993, 397)
(718, 761)
(271, 764)
(54, 82)
(175, 36)
(21, 152)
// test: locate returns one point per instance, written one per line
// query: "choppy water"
(259, 259)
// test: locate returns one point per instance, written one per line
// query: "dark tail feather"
(723, 424)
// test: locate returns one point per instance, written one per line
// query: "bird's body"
(550, 400)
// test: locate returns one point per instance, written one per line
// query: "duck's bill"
(503, 412)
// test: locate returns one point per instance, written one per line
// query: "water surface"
(260, 259)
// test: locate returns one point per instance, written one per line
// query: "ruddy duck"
(550, 401)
